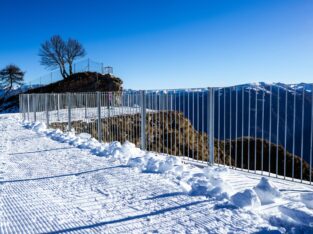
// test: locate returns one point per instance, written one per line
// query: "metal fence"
(266, 130)
(81, 66)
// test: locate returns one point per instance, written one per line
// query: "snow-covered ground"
(84, 114)
(56, 182)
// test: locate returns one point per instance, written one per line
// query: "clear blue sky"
(169, 43)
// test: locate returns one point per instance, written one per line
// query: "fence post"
(85, 97)
(143, 120)
(20, 106)
(99, 116)
(69, 116)
(47, 109)
(27, 107)
(109, 103)
(58, 106)
(211, 125)
(34, 106)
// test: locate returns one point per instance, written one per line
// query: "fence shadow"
(59, 176)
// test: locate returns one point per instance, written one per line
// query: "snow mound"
(208, 181)
(39, 127)
(246, 199)
(195, 181)
(307, 199)
(84, 136)
(266, 191)
(299, 216)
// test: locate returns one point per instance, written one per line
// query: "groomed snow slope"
(55, 182)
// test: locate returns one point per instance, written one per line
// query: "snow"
(52, 181)
(266, 191)
(307, 199)
(255, 86)
(16, 90)
(246, 199)
(87, 114)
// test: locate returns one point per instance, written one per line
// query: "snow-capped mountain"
(256, 86)
(9, 98)
(4, 93)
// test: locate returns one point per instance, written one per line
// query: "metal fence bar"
(270, 132)
(311, 138)
(242, 125)
(262, 147)
(249, 128)
(255, 128)
(99, 116)
(294, 135)
(285, 141)
(34, 107)
(230, 125)
(143, 120)
(302, 131)
(236, 127)
(277, 129)
(28, 107)
(69, 114)
(218, 125)
(211, 127)
(224, 126)
(47, 109)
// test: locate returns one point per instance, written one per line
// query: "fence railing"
(55, 75)
(264, 130)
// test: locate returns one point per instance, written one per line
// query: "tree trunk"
(63, 72)
(11, 82)
(71, 69)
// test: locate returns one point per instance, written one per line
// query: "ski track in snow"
(47, 187)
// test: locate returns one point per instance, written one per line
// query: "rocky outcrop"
(83, 82)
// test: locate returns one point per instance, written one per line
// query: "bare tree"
(11, 75)
(56, 53)
(73, 50)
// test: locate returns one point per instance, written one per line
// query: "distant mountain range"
(9, 104)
